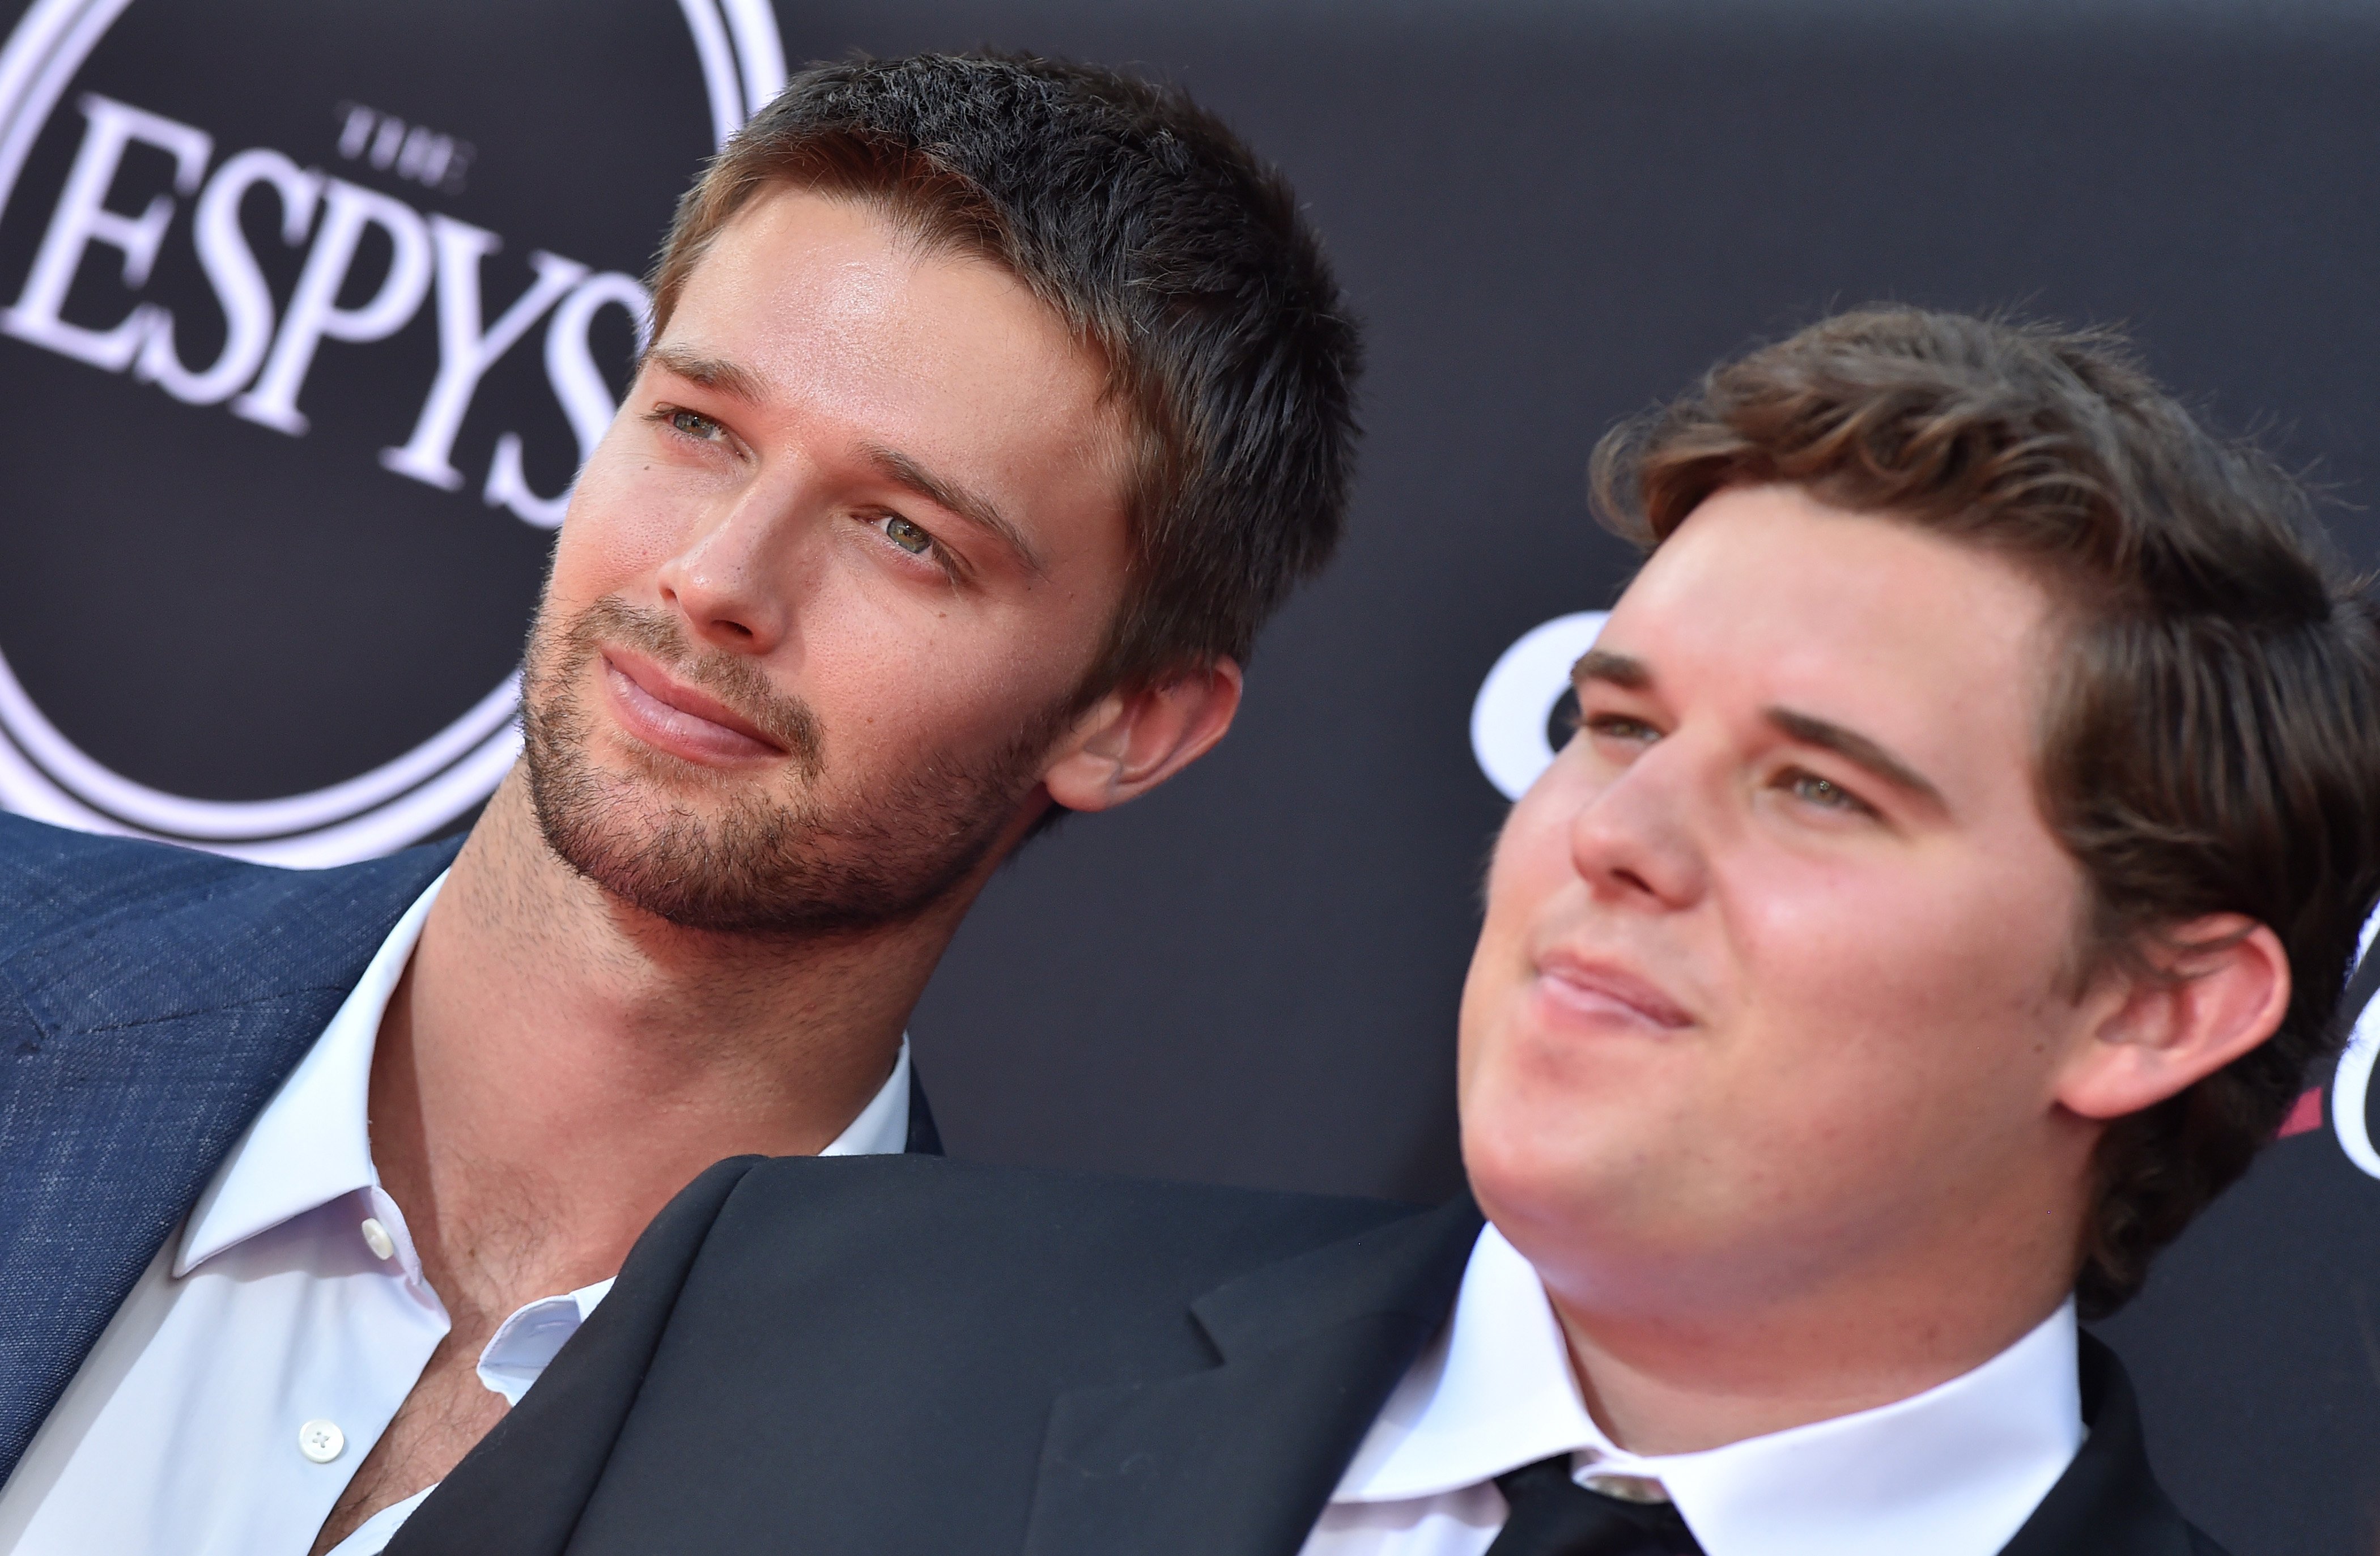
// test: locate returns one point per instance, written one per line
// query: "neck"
(1726, 1357)
(556, 1065)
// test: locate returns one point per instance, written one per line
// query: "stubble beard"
(777, 856)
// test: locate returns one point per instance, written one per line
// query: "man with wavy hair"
(1974, 803)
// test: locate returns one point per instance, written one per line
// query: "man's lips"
(1579, 986)
(667, 713)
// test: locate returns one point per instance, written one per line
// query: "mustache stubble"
(734, 679)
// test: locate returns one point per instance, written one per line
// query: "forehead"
(1766, 596)
(830, 302)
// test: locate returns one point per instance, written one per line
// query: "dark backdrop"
(1548, 214)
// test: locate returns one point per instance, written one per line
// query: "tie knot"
(1554, 1515)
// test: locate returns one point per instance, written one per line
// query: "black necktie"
(1554, 1516)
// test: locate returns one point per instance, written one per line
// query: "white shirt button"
(322, 1440)
(377, 1239)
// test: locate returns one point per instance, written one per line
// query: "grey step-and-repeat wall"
(310, 311)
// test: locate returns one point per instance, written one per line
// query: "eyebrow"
(1631, 673)
(1859, 750)
(1624, 671)
(741, 383)
(712, 372)
(977, 509)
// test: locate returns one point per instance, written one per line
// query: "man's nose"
(1640, 838)
(733, 578)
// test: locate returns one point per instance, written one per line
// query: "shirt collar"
(517, 1355)
(312, 1142)
(882, 1126)
(1952, 1471)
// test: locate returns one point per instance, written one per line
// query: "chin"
(1548, 1147)
(1526, 1151)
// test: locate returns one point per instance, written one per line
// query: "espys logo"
(201, 253)
(1514, 738)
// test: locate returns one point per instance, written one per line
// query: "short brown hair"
(1165, 244)
(2211, 741)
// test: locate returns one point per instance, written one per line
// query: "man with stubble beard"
(990, 406)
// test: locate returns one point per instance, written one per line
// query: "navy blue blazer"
(151, 998)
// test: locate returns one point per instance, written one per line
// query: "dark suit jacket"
(151, 1000)
(888, 1356)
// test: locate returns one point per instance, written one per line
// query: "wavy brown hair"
(2210, 742)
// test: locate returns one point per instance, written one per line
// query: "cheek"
(902, 693)
(1910, 995)
(1531, 865)
(627, 517)
(1529, 872)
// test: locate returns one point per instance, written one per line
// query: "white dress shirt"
(1954, 1471)
(268, 1346)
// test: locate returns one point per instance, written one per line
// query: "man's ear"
(2211, 990)
(1135, 739)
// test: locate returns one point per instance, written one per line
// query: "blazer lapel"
(527, 1502)
(2107, 1502)
(139, 1046)
(1239, 1460)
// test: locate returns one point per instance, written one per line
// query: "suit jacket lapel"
(2107, 1502)
(507, 1503)
(139, 1046)
(1239, 1460)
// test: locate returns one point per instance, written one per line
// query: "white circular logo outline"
(1508, 718)
(44, 775)
(2352, 1085)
